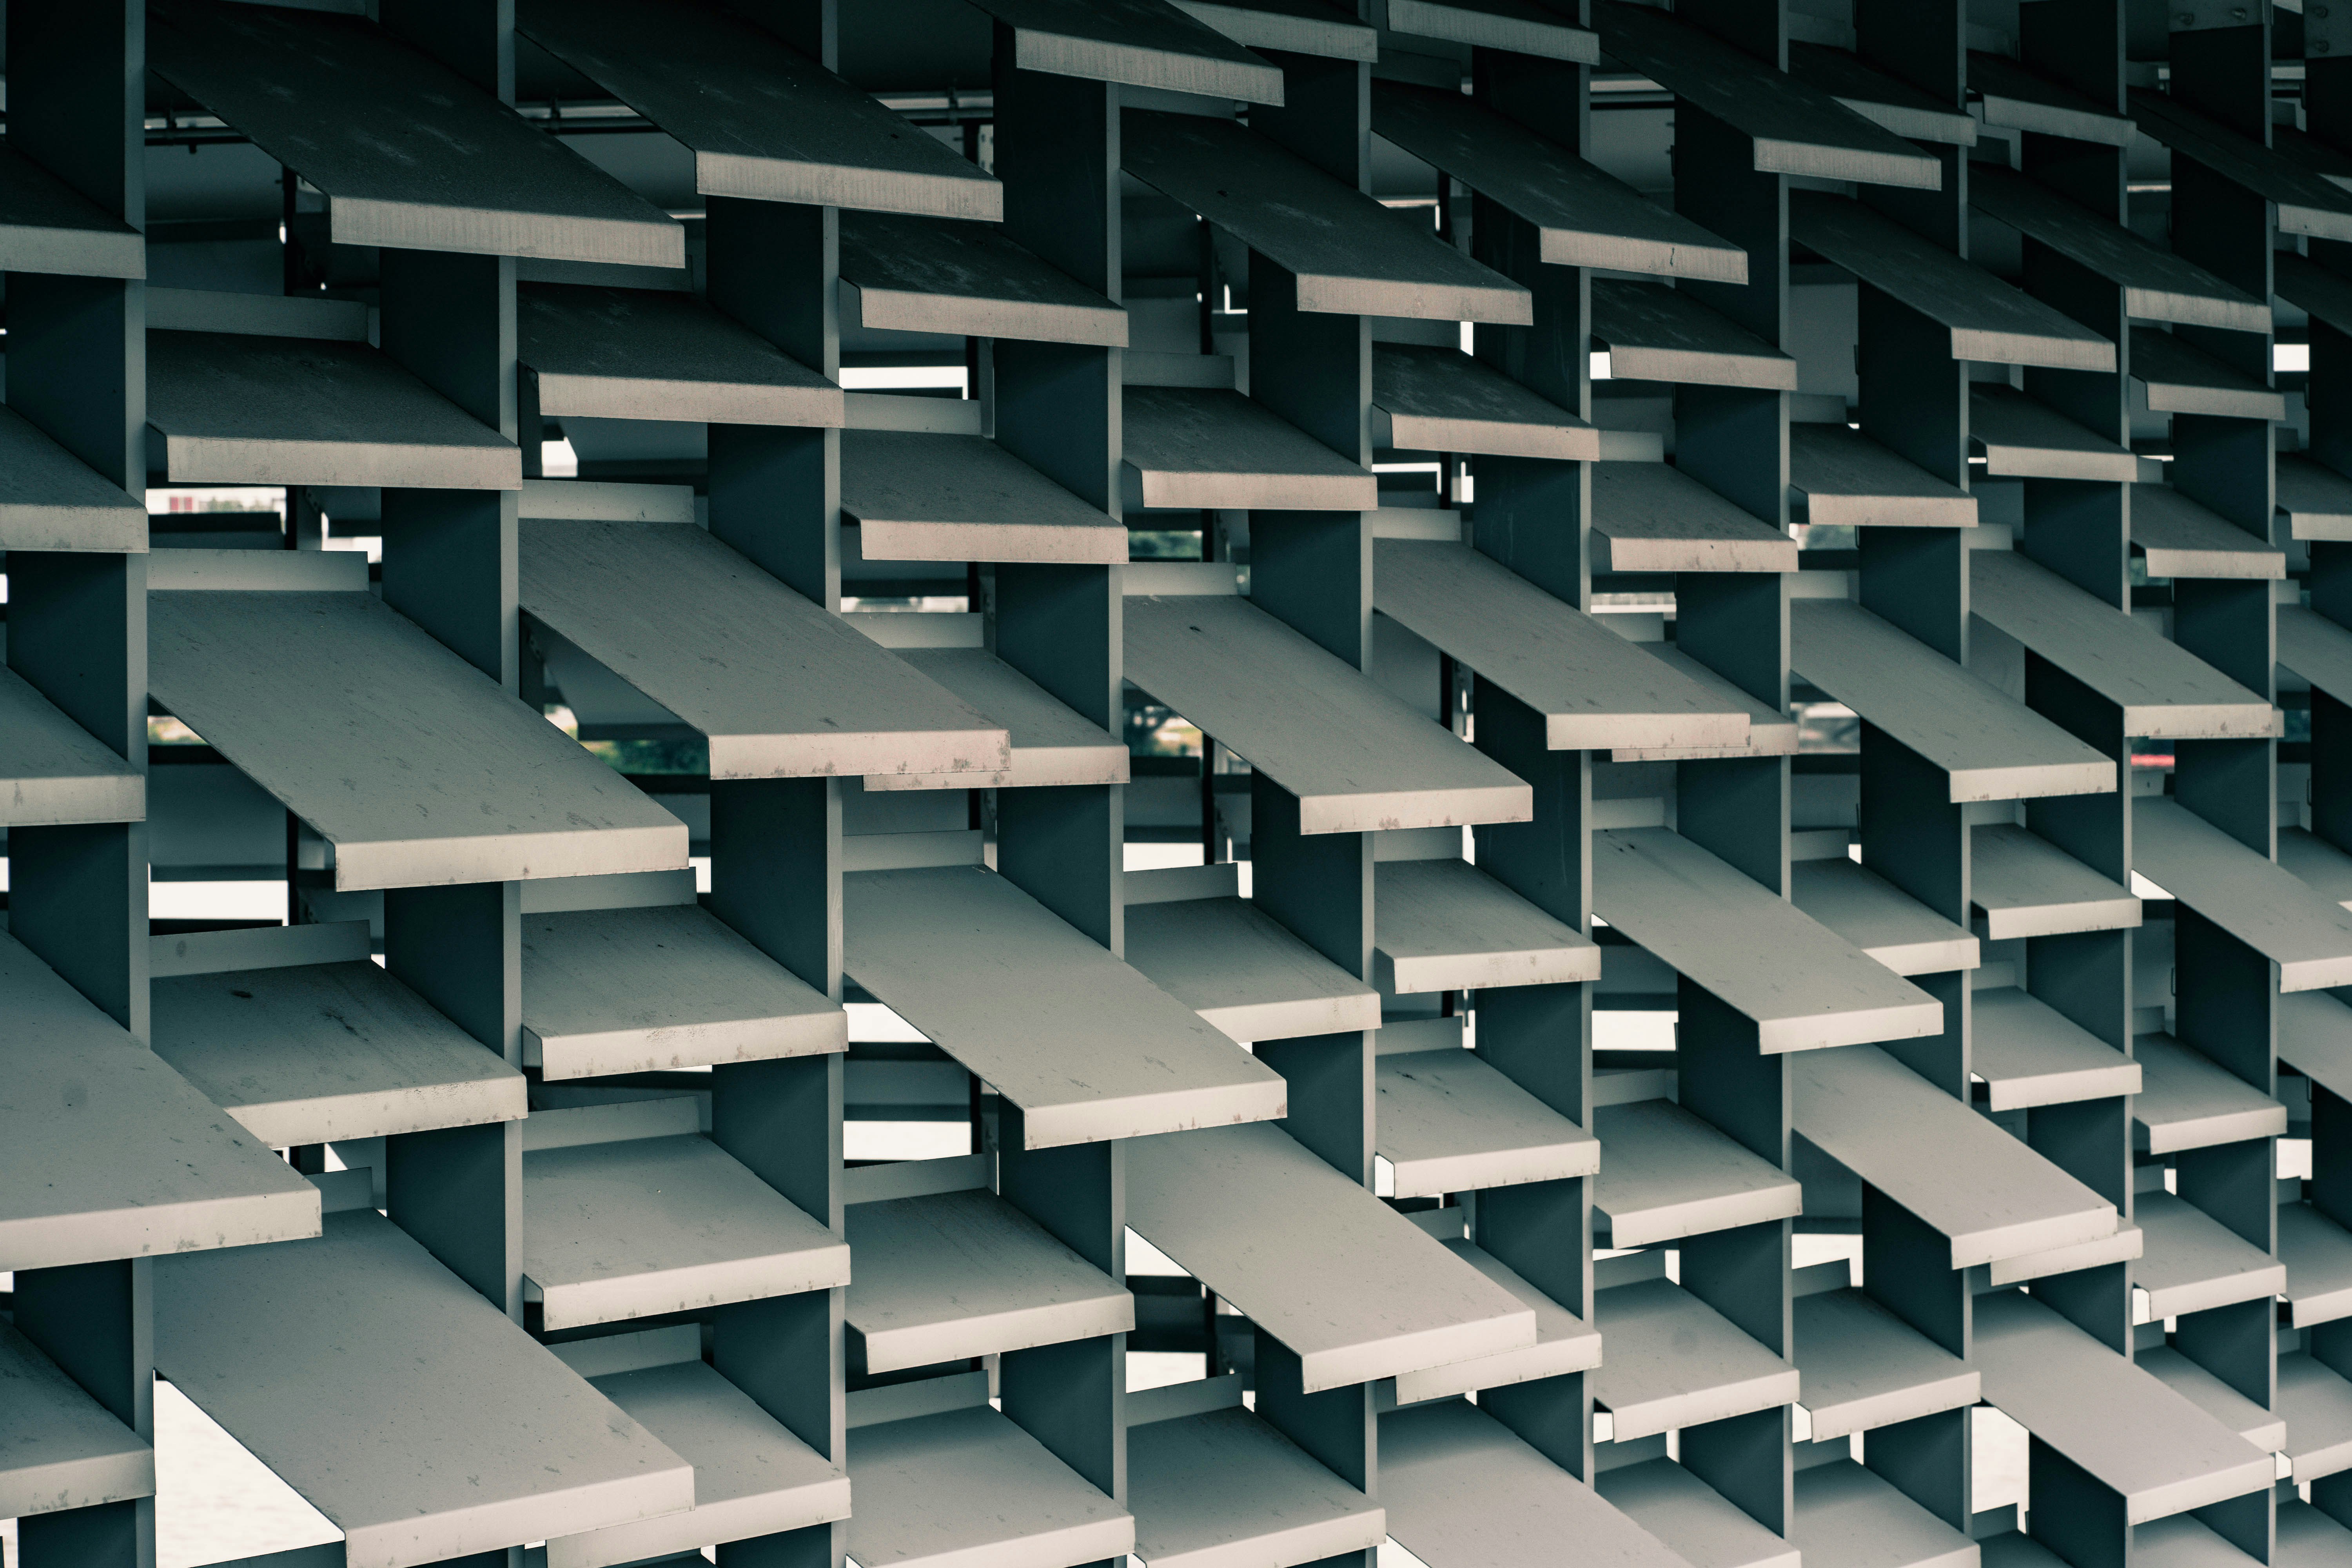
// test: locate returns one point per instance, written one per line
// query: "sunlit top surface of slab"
(409, 153)
(1796, 129)
(763, 120)
(904, 274)
(1085, 1045)
(240, 409)
(1802, 984)
(1988, 319)
(1585, 217)
(414, 764)
(46, 225)
(1356, 1291)
(106, 1152)
(1354, 755)
(781, 687)
(2165, 691)
(1992, 748)
(1594, 688)
(1350, 255)
(404, 1407)
(2158, 285)
(1140, 42)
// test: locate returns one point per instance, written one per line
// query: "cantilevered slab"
(967, 1487)
(2306, 150)
(2029, 1054)
(50, 500)
(1796, 129)
(1987, 320)
(1582, 215)
(2316, 502)
(1224, 1489)
(1204, 447)
(909, 275)
(1564, 1342)
(238, 409)
(642, 1227)
(1965, 1178)
(2315, 648)
(2178, 378)
(1880, 918)
(2185, 1100)
(751, 1476)
(1449, 1122)
(409, 153)
(1692, 1518)
(2318, 1253)
(2316, 1403)
(1140, 42)
(107, 1153)
(2020, 438)
(658, 990)
(1246, 975)
(2307, 1537)
(1849, 480)
(2181, 1541)
(2158, 285)
(1522, 26)
(1463, 1491)
(2314, 860)
(322, 1053)
(1850, 1516)
(1435, 399)
(1802, 984)
(2311, 288)
(2129, 1430)
(763, 121)
(1655, 332)
(2306, 933)
(651, 353)
(2218, 1399)
(1864, 1367)
(1356, 1290)
(462, 1460)
(299, 690)
(1299, 27)
(781, 687)
(1648, 517)
(2314, 1038)
(2192, 1262)
(1890, 104)
(1349, 254)
(2016, 99)
(951, 1275)
(1050, 744)
(2179, 538)
(1672, 1360)
(2022, 885)
(1666, 1174)
(2307, 202)
(1770, 731)
(46, 225)
(1594, 688)
(59, 1448)
(1086, 1047)
(53, 771)
(915, 496)
(1989, 745)
(2165, 691)
(1446, 925)
(1356, 756)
